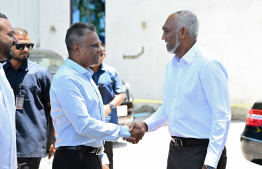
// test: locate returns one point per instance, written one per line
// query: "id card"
(19, 102)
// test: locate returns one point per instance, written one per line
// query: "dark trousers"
(191, 157)
(76, 159)
(29, 163)
(109, 152)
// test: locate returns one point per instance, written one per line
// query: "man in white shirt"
(7, 102)
(77, 107)
(196, 102)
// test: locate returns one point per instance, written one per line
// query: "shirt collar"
(188, 57)
(1, 66)
(23, 67)
(87, 72)
(103, 66)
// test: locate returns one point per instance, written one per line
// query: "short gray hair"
(188, 20)
(76, 34)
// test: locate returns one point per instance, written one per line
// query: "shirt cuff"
(104, 159)
(150, 124)
(124, 132)
(211, 160)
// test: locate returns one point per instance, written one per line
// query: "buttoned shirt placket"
(177, 66)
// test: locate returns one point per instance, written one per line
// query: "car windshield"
(48, 59)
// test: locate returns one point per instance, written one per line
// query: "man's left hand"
(52, 149)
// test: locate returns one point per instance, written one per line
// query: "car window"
(51, 61)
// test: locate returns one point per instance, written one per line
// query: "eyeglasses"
(21, 46)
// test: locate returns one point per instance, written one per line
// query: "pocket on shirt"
(30, 92)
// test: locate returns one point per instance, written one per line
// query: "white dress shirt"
(195, 101)
(77, 109)
(8, 158)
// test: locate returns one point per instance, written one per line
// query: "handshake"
(137, 132)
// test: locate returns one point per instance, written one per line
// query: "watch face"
(112, 106)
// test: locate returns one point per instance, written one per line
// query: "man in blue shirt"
(8, 158)
(30, 83)
(112, 92)
(77, 107)
(196, 102)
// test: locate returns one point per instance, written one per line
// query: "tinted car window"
(258, 105)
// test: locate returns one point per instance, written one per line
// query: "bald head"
(20, 31)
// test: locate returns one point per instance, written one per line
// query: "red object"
(254, 117)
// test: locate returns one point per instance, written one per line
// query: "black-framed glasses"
(21, 46)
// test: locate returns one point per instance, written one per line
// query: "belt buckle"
(99, 150)
(177, 140)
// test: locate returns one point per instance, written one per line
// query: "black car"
(251, 138)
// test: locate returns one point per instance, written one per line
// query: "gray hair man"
(196, 102)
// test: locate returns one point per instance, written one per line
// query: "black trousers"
(74, 159)
(109, 152)
(29, 163)
(191, 157)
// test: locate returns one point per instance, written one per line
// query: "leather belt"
(88, 149)
(180, 141)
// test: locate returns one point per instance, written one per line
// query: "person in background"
(8, 158)
(113, 94)
(196, 102)
(31, 84)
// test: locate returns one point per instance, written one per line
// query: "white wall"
(228, 28)
(37, 17)
(231, 29)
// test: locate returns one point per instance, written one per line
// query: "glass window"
(90, 11)
(47, 59)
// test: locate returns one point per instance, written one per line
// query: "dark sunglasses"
(21, 46)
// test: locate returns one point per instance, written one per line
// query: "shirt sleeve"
(157, 119)
(46, 84)
(69, 94)
(214, 82)
(118, 85)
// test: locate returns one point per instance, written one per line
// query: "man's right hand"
(137, 132)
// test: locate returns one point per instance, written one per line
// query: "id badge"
(19, 102)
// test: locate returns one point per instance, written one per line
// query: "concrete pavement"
(151, 152)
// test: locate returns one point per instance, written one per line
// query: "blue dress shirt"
(110, 83)
(32, 121)
(196, 101)
(77, 109)
(8, 159)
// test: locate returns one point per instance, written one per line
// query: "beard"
(7, 51)
(9, 54)
(172, 51)
(22, 58)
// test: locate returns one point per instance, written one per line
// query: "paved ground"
(151, 152)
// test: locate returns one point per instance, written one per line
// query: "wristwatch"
(112, 106)
(209, 167)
